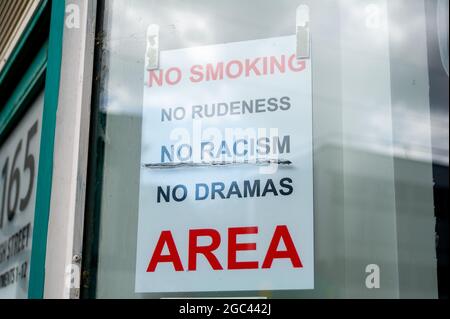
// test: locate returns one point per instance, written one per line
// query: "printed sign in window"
(226, 183)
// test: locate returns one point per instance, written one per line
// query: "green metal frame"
(95, 169)
(44, 178)
(31, 81)
(43, 70)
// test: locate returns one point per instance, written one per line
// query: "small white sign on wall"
(226, 183)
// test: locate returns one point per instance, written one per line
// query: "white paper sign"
(19, 159)
(226, 184)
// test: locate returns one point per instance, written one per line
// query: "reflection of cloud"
(120, 101)
(411, 134)
(195, 23)
(414, 129)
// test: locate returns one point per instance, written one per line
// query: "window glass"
(373, 95)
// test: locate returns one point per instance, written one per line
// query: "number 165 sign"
(19, 158)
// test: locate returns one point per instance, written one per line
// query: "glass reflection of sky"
(186, 25)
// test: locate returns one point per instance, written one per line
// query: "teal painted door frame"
(44, 180)
(43, 72)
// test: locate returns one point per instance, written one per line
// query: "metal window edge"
(21, 15)
(24, 37)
